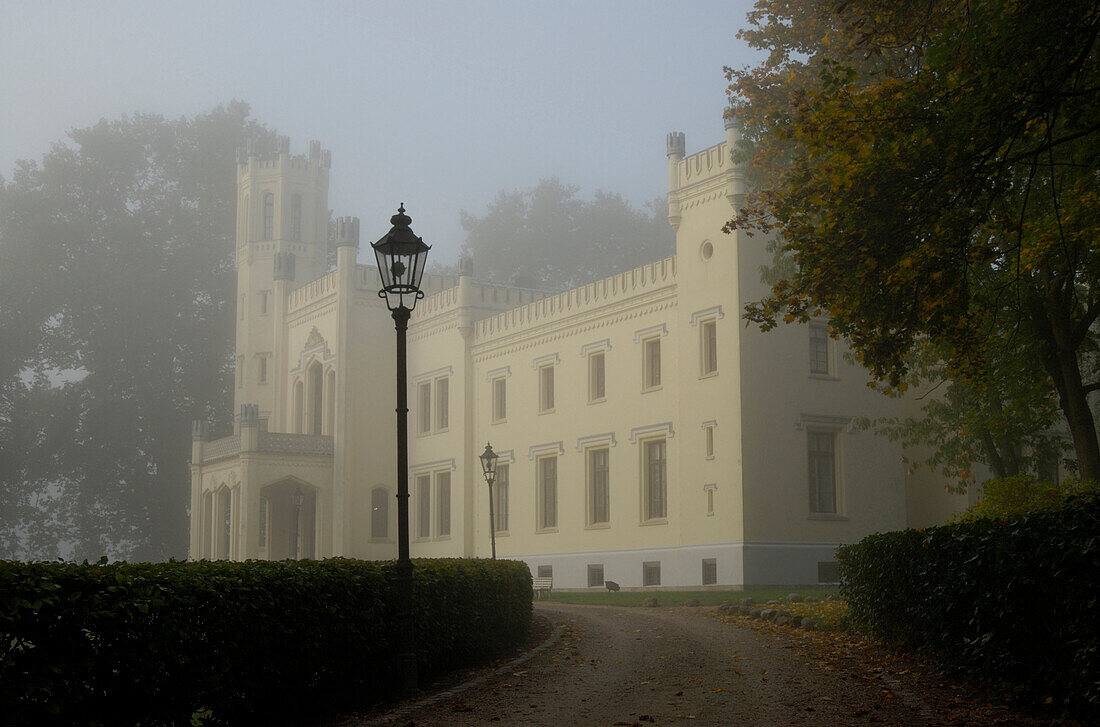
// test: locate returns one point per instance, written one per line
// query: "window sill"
(499, 421)
(827, 517)
(825, 377)
(441, 430)
(654, 521)
(540, 531)
(502, 533)
(546, 411)
(709, 457)
(442, 537)
(651, 389)
(601, 400)
(598, 526)
(708, 375)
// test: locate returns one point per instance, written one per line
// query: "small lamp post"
(299, 498)
(489, 467)
(401, 256)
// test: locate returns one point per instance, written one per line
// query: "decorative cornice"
(550, 358)
(507, 456)
(504, 371)
(710, 486)
(601, 345)
(546, 448)
(642, 432)
(660, 329)
(434, 373)
(712, 312)
(608, 437)
(439, 464)
(708, 423)
(826, 421)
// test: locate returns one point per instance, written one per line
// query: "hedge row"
(155, 643)
(1011, 601)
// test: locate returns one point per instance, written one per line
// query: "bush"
(1011, 600)
(1014, 497)
(157, 642)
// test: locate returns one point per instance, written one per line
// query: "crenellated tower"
(282, 242)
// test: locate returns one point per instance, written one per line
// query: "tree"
(116, 283)
(931, 170)
(546, 237)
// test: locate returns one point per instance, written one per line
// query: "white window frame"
(707, 367)
(423, 408)
(820, 332)
(597, 361)
(262, 368)
(544, 522)
(500, 498)
(709, 491)
(651, 364)
(649, 515)
(423, 482)
(442, 490)
(709, 446)
(546, 388)
(590, 455)
(499, 398)
(812, 487)
(442, 419)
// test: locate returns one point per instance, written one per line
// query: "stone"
(744, 610)
(756, 613)
(808, 624)
(747, 601)
(794, 598)
(831, 597)
(724, 607)
(773, 602)
(650, 603)
(691, 602)
(768, 614)
(782, 619)
(811, 599)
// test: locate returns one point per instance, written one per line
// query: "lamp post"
(299, 498)
(401, 256)
(489, 467)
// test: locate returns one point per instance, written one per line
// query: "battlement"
(704, 165)
(311, 292)
(651, 276)
(256, 155)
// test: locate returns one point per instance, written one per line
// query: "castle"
(647, 436)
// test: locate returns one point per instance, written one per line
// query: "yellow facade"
(648, 436)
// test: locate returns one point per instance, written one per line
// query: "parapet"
(347, 232)
(260, 154)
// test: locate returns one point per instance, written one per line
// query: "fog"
(436, 104)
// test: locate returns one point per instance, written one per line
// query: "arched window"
(330, 403)
(296, 410)
(315, 397)
(269, 216)
(225, 523)
(296, 217)
(379, 513)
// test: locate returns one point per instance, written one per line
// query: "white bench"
(542, 585)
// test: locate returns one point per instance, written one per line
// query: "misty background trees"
(116, 329)
(930, 172)
(546, 237)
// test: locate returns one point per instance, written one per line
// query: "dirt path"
(637, 666)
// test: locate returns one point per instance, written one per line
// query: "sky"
(440, 105)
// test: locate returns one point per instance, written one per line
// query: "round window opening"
(706, 250)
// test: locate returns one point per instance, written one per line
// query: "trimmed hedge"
(1011, 601)
(155, 643)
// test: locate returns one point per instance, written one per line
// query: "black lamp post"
(401, 256)
(299, 498)
(489, 467)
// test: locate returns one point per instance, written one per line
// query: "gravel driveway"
(638, 666)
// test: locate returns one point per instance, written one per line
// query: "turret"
(675, 150)
(736, 191)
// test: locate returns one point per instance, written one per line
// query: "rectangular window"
(709, 436)
(500, 497)
(545, 571)
(263, 301)
(546, 388)
(443, 503)
(262, 368)
(652, 363)
(819, 350)
(595, 575)
(596, 389)
(710, 571)
(424, 408)
(822, 457)
(710, 501)
(709, 341)
(242, 306)
(548, 492)
(240, 371)
(269, 216)
(651, 574)
(424, 506)
(656, 486)
(599, 503)
(442, 403)
(500, 401)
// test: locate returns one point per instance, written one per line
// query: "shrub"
(153, 643)
(1014, 497)
(1012, 600)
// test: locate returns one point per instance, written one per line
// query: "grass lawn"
(602, 597)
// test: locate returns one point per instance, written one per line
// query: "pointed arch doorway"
(290, 507)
